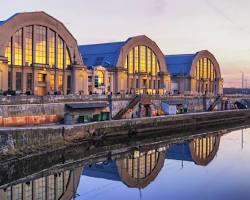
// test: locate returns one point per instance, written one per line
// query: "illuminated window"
(157, 67)
(28, 46)
(60, 53)
(52, 44)
(142, 59)
(8, 52)
(153, 64)
(41, 77)
(18, 50)
(40, 44)
(68, 62)
(149, 60)
(136, 61)
(126, 63)
(100, 78)
(60, 82)
(131, 61)
(52, 82)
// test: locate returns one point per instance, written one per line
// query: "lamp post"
(242, 79)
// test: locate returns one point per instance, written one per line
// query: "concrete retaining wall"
(31, 114)
(28, 110)
(28, 139)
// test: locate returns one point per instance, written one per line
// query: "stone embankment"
(31, 139)
(33, 110)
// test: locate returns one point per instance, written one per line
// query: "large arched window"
(142, 59)
(49, 48)
(205, 75)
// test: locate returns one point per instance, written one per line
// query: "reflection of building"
(197, 73)
(200, 150)
(61, 185)
(136, 171)
(135, 65)
(141, 168)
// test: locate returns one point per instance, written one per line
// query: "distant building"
(197, 73)
(236, 91)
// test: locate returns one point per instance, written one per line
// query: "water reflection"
(59, 185)
(135, 167)
(141, 167)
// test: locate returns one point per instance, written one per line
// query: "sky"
(177, 26)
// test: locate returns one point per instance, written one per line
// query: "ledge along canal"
(20, 141)
(207, 161)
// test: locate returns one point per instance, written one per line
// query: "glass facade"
(44, 42)
(60, 82)
(52, 44)
(40, 44)
(142, 61)
(18, 44)
(205, 76)
(60, 54)
(28, 46)
(8, 52)
(52, 82)
(36, 46)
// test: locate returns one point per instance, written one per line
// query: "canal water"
(212, 165)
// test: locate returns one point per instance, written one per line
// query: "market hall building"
(195, 74)
(136, 65)
(39, 55)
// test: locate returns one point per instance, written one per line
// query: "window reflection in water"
(51, 187)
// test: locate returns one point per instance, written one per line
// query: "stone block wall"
(31, 114)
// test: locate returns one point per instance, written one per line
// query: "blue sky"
(179, 26)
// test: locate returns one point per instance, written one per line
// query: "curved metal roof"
(105, 54)
(179, 64)
(5, 21)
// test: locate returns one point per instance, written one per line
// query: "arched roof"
(185, 64)
(111, 55)
(20, 20)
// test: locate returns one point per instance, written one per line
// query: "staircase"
(131, 105)
(216, 101)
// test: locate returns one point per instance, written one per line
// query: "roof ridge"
(106, 43)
